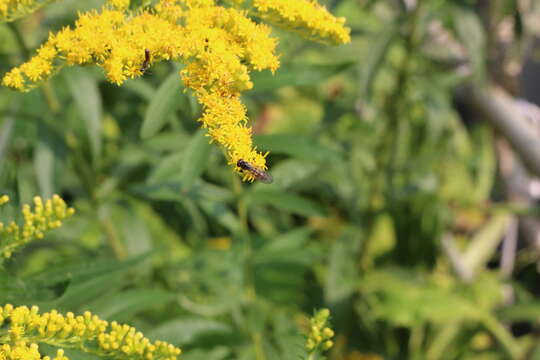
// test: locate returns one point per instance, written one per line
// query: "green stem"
(81, 165)
(46, 88)
(415, 341)
(244, 235)
(397, 101)
(441, 341)
(51, 98)
(113, 239)
(19, 39)
(506, 340)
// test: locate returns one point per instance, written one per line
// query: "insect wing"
(263, 176)
(257, 173)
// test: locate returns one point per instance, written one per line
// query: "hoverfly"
(146, 64)
(257, 173)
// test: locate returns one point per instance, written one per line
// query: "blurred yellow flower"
(14, 9)
(45, 216)
(320, 334)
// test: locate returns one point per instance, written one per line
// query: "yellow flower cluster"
(46, 216)
(85, 332)
(14, 9)
(23, 351)
(220, 46)
(119, 4)
(306, 17)
(319, 333)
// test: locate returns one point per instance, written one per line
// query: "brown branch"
(501, 110)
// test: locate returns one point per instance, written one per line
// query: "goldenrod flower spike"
(306, 17)
(320, 334)
(220, 47)
(23, 328)
(13, 9)
(45, 216)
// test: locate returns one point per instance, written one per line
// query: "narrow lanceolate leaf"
(162, 105)
(85, 92)
(304, 147)
(83, 271)
(287, 202)
(44, 167)
(297, 74)
(195, 159)
(485, 241)
(374, 58)
(468, 28)
(185, 166)
(123, 305)
(5, 137)
(186, 330)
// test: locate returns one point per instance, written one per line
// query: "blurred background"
(405, 196)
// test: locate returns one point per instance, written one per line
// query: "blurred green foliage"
(373, 168)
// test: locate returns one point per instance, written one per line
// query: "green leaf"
(79, 271)
(296, 74)
(169, 191)
(194, 160)
(286, 201)
(137, 237)
(520, 312)
(342, 275)
(402, 298)
(300, 147)
(486, 164)
(164, 102)
(371, 63)
(49, 153)
(221, 213)
(293, 239)
(171, 141)
(484, 243)
(141, 88)
(172, 191)
(5, 136)
(81, 293)
(44, 166)
(469, 30)
(217, 353)
(186, 330)
(169, 168)
(122, 306)
(85, 92)
(290, 172)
